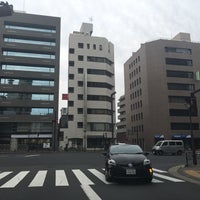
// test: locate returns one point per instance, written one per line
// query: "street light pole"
(112, 123)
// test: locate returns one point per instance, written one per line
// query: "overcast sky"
(126, 23)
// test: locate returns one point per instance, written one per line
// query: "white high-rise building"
(91, 88)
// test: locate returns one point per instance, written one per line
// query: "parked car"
(168, 147)
(127, 161)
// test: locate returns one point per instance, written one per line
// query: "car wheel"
(108, 175)
(148, 180)
(160, 153)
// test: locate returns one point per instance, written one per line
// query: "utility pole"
(112, 123)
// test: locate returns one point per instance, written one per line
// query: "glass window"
(180, 74)
(184, 126)
(80, 70)
(71, 50)
(29, 55)
(27, 28)
(80, 97)
(71, 89)
(71, 76)
(31, 68)
(26, 41)
(177, 61)
(79, 124)
(178, 99)
(80, 58)
(80, 45)
(80, 110)
(180, 86)
(71, 63)
(80, 83)
(178, 50)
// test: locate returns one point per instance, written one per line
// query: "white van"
(168, 147)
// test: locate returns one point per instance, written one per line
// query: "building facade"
(159, 79)
(91, 86)
(29, 74)
(121, 125)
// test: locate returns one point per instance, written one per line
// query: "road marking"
(168, 178)
(4, 174)
(61, 179)
(99, 175)
(160, 171)
(91, 194)
(39, 179)
(15, 180)
(34, 155)
(83, 179)
(156, 181)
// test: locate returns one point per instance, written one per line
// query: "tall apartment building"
(121, 125)
(159, 79)
(29, 74)
(91, 86)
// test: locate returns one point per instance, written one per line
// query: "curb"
(178, 171)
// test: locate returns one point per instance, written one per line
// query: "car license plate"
(130, 171)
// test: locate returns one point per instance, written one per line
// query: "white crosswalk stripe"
(39, 179)
(61, 178)
(15, 180)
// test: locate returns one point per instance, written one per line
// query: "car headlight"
(146, 161)
(111, 162)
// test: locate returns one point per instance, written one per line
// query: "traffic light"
(5, 9)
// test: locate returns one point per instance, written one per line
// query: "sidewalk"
(189, 174)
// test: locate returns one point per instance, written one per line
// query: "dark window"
(71, 63)
(80, 110)
(176, 61)
(88, 46)
(184, 126)
(80, 58)
(99, 59)
(79, 124)
(99, 85)
(80, 83)
(179, 112)
(70, 103)
(94, 46)
(178, 50)
(98, 111)
(98, 98)
(99, 72)
(180, 86)
(80, 97)
(71, 50)
(70, 117)
(71, 90)
(180, 74)
(100, 47)
(80, 45)
(178, 99)
(80, 70)
(71, 76)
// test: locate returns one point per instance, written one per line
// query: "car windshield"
(158, 144)
(125, 149)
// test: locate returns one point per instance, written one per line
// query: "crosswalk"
(87, 177)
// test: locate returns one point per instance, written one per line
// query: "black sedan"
(127, 161)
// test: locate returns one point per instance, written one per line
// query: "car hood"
(128, 158)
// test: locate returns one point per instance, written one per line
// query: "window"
(176, 61)
(88, 46)
(99, 59)
(80, 83)
(80, 45)
(80, 58)
(180, 86)
(96, 126)
(71, 50)
(178, 50)
(100, 47)
(71, 63)
(180, 74)
(98, 111)
(80, 97)
(71, 89)
(178, 99)
(79, 124)
(31, 68)
(99, 72)
(99, 85)
(98, 98)
(29, 54)
(80, 70)
(70, 103)
(184, 126)
(71, 76)
(70, 117)
(94, 46)
(179, 112)
(80, 110)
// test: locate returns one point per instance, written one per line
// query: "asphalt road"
(80, 176)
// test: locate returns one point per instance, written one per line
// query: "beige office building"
(159, 79)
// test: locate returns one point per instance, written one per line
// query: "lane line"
(99, 175)
(39, 179)
(33, 155)
(4, 174)
(15, 180)
(156, 181)
(61, 179)
(83, 179)
(91, 194)
(168, 178)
